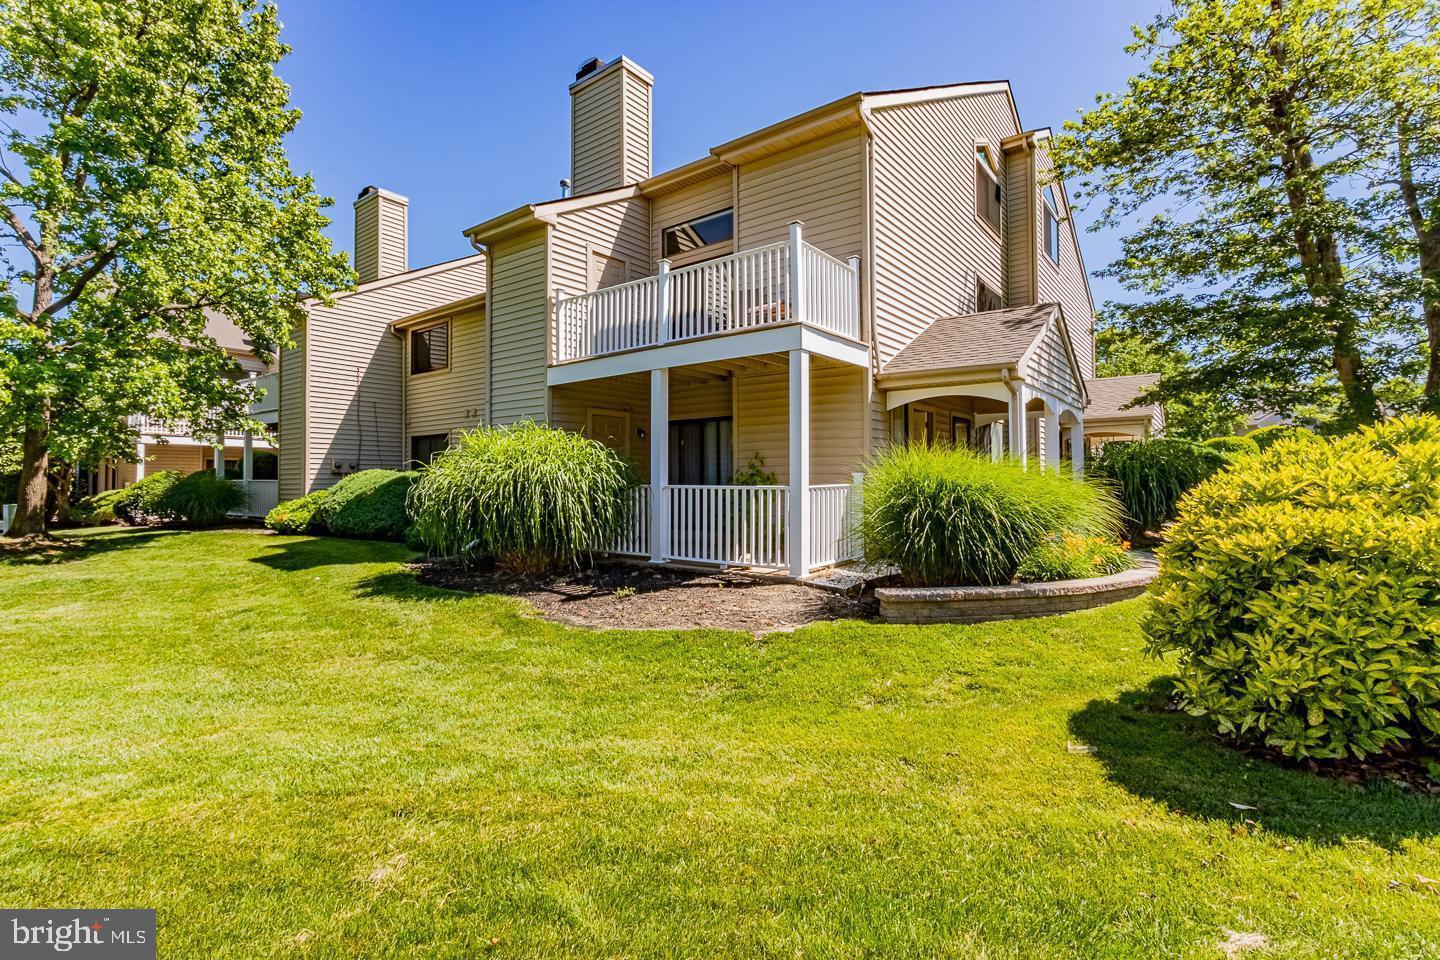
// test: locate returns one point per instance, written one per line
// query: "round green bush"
(369, 505)
(200, 499)
(93, 511)
(1152, 475)
(948, 517)
(299, 516)
(528, 496)
(1073, 557)
(1233, 446)
(1266, 437)
(1301, 589)
(140, 503)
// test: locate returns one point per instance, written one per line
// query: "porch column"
(1051, 438)
(659, 465)
(247, 460)
(139, 461)
(1077, 447)
(1017, 425)
(797, 542)
(220, 462)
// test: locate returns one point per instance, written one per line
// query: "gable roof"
(995, 338)
(1110, 397)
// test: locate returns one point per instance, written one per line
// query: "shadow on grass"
(309, 552)
(67, 547)
(403, 585)
(1174, 759)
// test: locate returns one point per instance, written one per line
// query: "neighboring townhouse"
(893, 265)
(1114, 415)
(248, 458)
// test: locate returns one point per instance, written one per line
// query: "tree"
(143, 181)
(1195, 415)
(1237, 150)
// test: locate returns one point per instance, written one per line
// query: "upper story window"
(985, 298)
(1052, 226)
(700, 232)
(989, 193)
(430, 348)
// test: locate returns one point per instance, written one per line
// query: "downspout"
(481, 248)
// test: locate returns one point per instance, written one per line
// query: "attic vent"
(588, 67)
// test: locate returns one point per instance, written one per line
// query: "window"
(423, 448)
(985, 298)
(989, 194)
(697, 233)
(264, 465)
(1052, 226)
(701, 451)
(430, 348)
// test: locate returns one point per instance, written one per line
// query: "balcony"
(264, 409)
(786, 282)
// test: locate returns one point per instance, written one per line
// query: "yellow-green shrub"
(1302, 591)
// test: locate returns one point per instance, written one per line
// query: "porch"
(751, 460)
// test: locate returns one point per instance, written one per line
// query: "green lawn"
(289, 748)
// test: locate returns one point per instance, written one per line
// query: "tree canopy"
(1240, 161)
(144, 181)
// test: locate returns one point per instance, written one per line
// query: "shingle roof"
(1109, 396)
(995, 338)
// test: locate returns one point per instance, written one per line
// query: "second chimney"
(609, 125)
(381, 234)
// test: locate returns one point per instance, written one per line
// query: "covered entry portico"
(1009, 377)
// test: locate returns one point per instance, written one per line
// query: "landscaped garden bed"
(637, 596)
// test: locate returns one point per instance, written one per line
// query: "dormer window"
(703, 231)
(1052, 226)
(989, 193)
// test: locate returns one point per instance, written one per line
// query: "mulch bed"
(640, 597)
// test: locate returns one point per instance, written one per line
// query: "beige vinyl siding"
(1021, 248)
(1049, 367)
(610, 131)
(291, 417)
(367, 239)
(519, 317)
(821, 183)
(1065, 284)
(394, 239)
(929, 245)
(381, 237)
(184, 457)
(681, 206)
(620, 230)
(451, 399)
(353, 374)
(571, 403)
(762, 421)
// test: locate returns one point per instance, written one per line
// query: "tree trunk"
(64, 483)
(34, 465)
(1427, 243)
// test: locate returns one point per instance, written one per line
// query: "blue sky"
(462, 106)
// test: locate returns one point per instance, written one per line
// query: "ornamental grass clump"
(1301, 589)
(200, 500)
(1151, 476)
(532, 498)
(949, 517)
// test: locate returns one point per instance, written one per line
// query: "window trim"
(1051, 203)
(414, 460)
(664, 231)
(997, 174)
(410, 347)
(980, 284)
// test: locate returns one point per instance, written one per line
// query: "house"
(1115, 414)
(247, 458)
(891, 265)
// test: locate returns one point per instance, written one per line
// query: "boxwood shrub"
(1233, 446)
(301, 515)
(949, 517)
(369, 505)
(1301, 589)
(141, 502)
(1152, 475)
(527, 496)
(1266, 437)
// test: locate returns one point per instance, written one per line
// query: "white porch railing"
(261, 497)
(634, 538)
(728, 525)
(753, 288)
(153, 426)
(833, 514)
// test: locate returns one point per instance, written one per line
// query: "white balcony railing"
(753, 288)
(154, 426)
